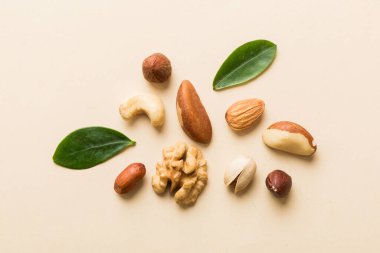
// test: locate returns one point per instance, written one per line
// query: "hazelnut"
(279, 183)
(156, 68)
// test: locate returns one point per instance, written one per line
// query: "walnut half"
(186, 170)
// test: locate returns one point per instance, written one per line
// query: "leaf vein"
(97, 146)
(242, 65)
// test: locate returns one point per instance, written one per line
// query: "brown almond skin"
(292, 127)
(192, 115)
(128, 178)
(243, 114)
(279, 183)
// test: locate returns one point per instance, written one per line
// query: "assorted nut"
(240, 173)
(184, 169)
(157, 68)
(128, 178)
(243, 114)
(192, 115)
(149, 104)
(279, 183)
(289, 137)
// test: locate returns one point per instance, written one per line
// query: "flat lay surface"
(66, 65)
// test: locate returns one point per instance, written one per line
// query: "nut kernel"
(289, 137)
(128, 178)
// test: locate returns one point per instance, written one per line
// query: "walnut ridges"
(184, 169)
(157, 68)
(192, 115)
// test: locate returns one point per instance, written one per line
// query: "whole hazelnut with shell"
(157, 68)
(279, 183)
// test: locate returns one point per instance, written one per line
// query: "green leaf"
(245, 63)
(87, 147)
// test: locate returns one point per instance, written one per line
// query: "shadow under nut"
(192, 115)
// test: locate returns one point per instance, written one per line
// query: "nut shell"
(128, 178)
(157, 68)
(243, 114)
(279, 183)
(192, 115)
(240, 171)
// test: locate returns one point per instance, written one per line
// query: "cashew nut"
(149, 104)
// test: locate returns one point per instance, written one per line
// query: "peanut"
(128, 178)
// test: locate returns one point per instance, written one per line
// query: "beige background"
(68, 64)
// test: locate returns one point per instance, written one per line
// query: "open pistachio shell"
(241, 170)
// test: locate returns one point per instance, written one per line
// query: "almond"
(244, 113)
(289, 137)
(192, 115)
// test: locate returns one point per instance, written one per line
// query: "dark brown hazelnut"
(279, 183)
(157, 68)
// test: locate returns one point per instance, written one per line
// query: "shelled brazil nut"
(192, 115)
(289, 137)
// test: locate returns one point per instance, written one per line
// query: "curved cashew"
(149, 104)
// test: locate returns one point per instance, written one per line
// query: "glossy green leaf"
(245, 63)
(87, 147)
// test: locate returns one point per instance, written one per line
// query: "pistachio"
(240, 173)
